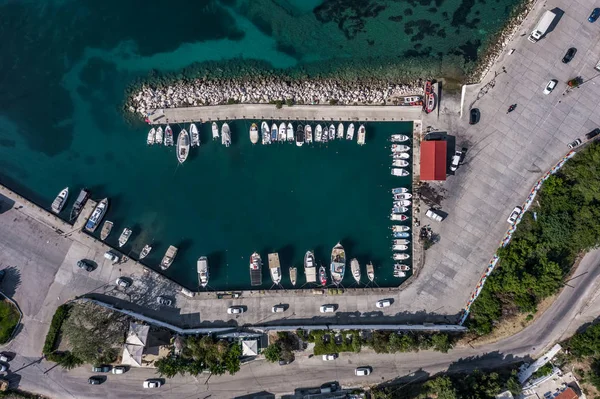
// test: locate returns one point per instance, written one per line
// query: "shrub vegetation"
(9, 318)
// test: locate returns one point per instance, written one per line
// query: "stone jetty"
(271, 90)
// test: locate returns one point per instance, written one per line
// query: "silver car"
(164, 301)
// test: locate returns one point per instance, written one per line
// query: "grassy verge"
(9, 317)
(62, 312)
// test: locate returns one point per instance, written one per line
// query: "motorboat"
(79, 203)
(322, 276)
(151, 136)
(275, 268)
(398, 218)
(399, 209)
(183, 146)
(310, 267)
(402, 203)
(411, 101)
(325, 136)
(60, 201)
(300, 135)
(293, 275)
(399, 229)
(254, 133)
(124, 237)
(255, 269)
(399, 247)
(282, 132)
(169, 257)
(400, 148)
(402, 267)
(401, 234)
(195, 136)
(401, 241)
(401, 256)
(350, 132)
(169, 136)
(340, 131)
(402, 196)
(145, 251)
(370, 272)
(399, 172)
(400, 155)
(225, 135)
(399, 274)
(318, 133)
(106, 229)
(338, 263)
(289, 132)
(265, 133)
(399, 190)
(400, 163)
(398, 138)
(362, 135)
(202, 269)
(331, 132)
(308, 136)
(430, 106)
(215, 131)
(97, 215)
(273, 133)
(159, 135)
(355, 268)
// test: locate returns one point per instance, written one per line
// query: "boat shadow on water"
(217, 262)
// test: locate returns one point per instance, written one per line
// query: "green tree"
(170, 366)
(273, 352)
(232, 358)
(441, 388)
(441, 342)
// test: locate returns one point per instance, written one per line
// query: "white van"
(432, 214)
(113, 257)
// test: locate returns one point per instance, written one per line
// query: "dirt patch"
(581, 369)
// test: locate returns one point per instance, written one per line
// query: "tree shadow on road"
(11, 281)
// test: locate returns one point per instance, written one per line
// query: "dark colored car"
(95, 380)
(85, 265)
(569, 56)
(474, 116)
(101, 369)
(594, 15)
(284, 362)
(592, 134)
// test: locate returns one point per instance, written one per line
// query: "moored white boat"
(275, 268)
(338, 264)
(331, 132)
(325, 136)
(225, 135)
(402, 202)
(310, 267)
(159, 135)
(169, 257)
(400, 155)
(60, 201)
(399, 247)
(355, 268)
(194, 135)
(370, 271)
(399, 209)
(340, 131)
(106, 229)
(124, 237)
(97, 215)
(362, 135)
(145, 251)
(400, 241)
(293, 275)
(400, 148)
(300, 135)
(282, 135)
(350, 132)
(273, 133)
(401, 234)
(254, 133)
(169, 136)
(400, 163)
(398, 229)
(151, 136)
(398, 138)
(401, 266)
(323, 276)
(402, 196)
(289, 132)
(318, 133)
(265, 133)
(215, 130)
(202, 269)
(308, 136)
(401, 256)
(399, 172)
(183, 146)
(397, 217)
(399, 190)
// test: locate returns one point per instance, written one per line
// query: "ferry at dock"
(255, 269)
(97, 215)
(338, 264)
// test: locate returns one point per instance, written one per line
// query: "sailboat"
(289, 132)
(202, 268)
(331, 132)
(293, 275)
(350, 132)
(106, 229)
(266, 135)
(145, 251)
(273, 133)
(183, 146)
(225, 135)
(300, 135)
(370, 272)
(355, 268)
(168, 136)
(79, 203)
(362, 135)
(340, 131)
(318, 133)
(194, 135)
(124, 237)
(308, 137)
(254, 133)
(281, 132)
(338, 263)
(215, 131)
(323, 276)
(159, 135)
(151, 136)
(60, 201)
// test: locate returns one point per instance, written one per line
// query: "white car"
(235, 310)
(4, 358)
(455, 161)
(514, 215)
(550, 86)
(333, 356)
(432, 214)
(123, 282)
(119, 369)
(278, 308)
(327, 309)
(362, 371)
(151, 383)
(384, 303)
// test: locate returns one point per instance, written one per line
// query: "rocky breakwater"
(279, 91)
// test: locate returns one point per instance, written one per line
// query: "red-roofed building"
(433, 160)
(568, 393)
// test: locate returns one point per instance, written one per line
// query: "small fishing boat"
(282, 132)
(145, 251)
(430, 106)
(169, 257)
(289, 132)
(293, 275)
(402, 196)
(202, 269)
(398, 218)
(325, 135)
(275, 268)
(124, 237)
(266, 134)
(400, 148)
(398, 229)
(215, 131)
(400, 163)
(399, 190)
(399, 273)
(399, 172)
(225, 135)
(195, 136)
(399, 209)
(400, 242)
(60, 201)
(355, 268)
(169, 136)
(183, 146)
(340, 131)
(401, 256)
(362, 135)
(273, 133)
(310, 268)
(411, 100)
(308, 136)
(106, 229)
(350, 132)
(331, 132)
(254, 133)
(402, 203)
(398, 138)
(159, 135)
(370, 271)
(402, 267)
(151, 136)
(300, 135)
(399, 247)
(338, 263)
(79, 203)
(255, 269)
(97, 215)
(401, 234)
(318, 133)
(400, 155)
(322, 276)
(428, 91)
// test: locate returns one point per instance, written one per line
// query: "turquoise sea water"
(65, 65)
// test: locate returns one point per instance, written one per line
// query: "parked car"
(235, 310)
(164, 301)
(594, 15)
(592, 134)
(569, 55)
(119, 369)
(362, 371)
(327, 308)
(514, 215)
(384, 303)
(152, 383)
(3, 367)
(85, 265)
(101, 369)
(123, 282)
(332, 356)
(284, 362)
(574, 144)
(474, 116)
(432, 214)
(550, 86)
(95, 380)
(111, 256)
(278, 309)
(455, 161)
(5, 358)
